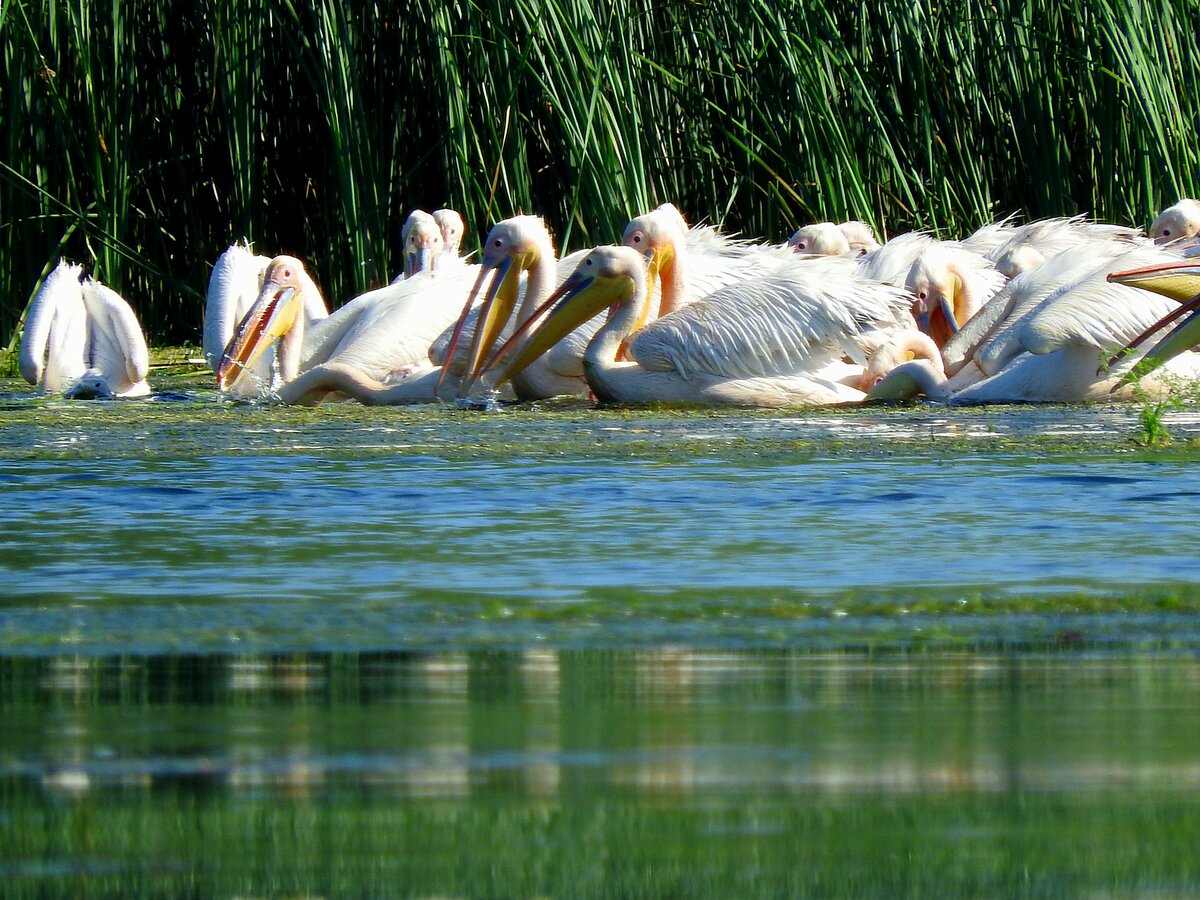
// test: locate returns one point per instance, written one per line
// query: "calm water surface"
(278, 652)
(601, 773)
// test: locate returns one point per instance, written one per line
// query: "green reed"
(144, 137)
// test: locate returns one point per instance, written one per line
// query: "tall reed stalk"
(143, 137)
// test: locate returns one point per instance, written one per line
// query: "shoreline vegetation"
(142, 139)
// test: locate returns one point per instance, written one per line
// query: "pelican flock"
(1054, 310)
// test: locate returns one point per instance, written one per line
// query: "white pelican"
(452, 228)
(1030, 245)
(83, 340)
(1178, 280)
(852, 238)
(898, 348)
(382, 335)
(237, 280)
(820, 239)
(1177, 222)
(760, 342)
(422, 241)
(516, 247)
(1042, 337)
(430, 241)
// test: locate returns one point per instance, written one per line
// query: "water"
(601, 773)
(563, 652)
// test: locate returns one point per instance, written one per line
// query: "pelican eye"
(637, 238)
(1166, 232)
(499, 243)
(922, 296)
(801, 245)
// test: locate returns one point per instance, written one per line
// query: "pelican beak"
(578, 299)
(416, 261)
(494, 313)
(269, 319)
(1180, 281)
(659, 259)
(947, 307)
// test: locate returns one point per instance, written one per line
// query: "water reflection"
(552, 772)
(669, 722)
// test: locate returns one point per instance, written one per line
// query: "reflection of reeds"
(146, 136)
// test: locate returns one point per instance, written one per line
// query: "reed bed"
(142, 137)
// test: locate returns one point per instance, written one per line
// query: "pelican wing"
(1066, 301)
(765, 327)
(393, 327)
(891, 262)
(1095, 313)
(116, 345)
(988, 237)
(55, 335)
(233, 287)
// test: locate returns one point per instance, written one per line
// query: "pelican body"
(1043, 337)
(83, 340)
(761, 342)
(378, 341)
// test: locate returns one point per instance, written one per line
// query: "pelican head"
(1179, 280)
(1176, 222)
(899, 348)
(820, 239)
(1011, 261)
(451, 224)
(273, 315)
(513, 246)
(423, 243)
(657, 235)
(860, 237)
(606, 277)
(936, 286)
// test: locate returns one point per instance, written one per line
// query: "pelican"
(852, 238)
(516, 247)
(423, 242)
(1178, 280)
(382, 336)
(238, 278)
(1177, 223)
(451, 225)
(430, 241)
(1030, 245)
(898, 348)
(83, 340)
(760, 342)
(1042, 336)
(820, 239)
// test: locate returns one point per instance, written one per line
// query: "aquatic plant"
(1152, 430)
(143, 137)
